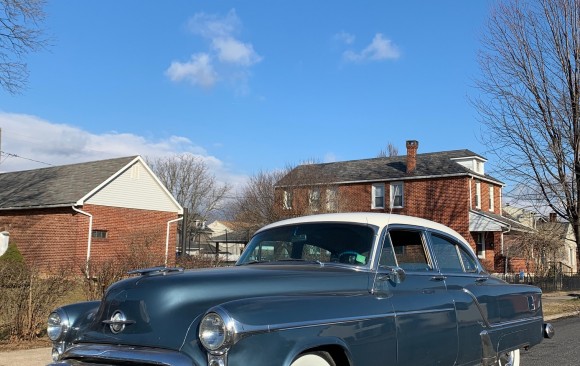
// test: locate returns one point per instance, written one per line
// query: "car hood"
(164, 309)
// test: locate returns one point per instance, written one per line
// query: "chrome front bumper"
(94, 354)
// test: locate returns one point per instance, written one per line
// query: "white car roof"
(372, 218)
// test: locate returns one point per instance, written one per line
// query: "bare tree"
(390, 151)
(539, 249)
(20, 34)
(530, 101)
(188, 178)
(256, 202)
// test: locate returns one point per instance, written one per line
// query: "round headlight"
(212, 332)
(57, 325)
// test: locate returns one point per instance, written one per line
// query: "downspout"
(509, 228)
(167, 238)
(90, 236)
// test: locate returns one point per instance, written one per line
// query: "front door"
(424, 310)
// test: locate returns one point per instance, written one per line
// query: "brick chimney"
(412, 146)
(553, 217)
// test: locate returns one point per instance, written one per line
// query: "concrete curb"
(562, 315)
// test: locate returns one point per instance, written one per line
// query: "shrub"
(27, 297)
(12, 254)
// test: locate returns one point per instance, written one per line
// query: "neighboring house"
(565, 257)
(230, 239)
(99, 211)
(561, 251)
(449, 187)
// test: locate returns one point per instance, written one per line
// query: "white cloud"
(230, 50)
(198, 70)
(29, 141)
(226, 58)
(380, 49)
(212, 26)
(345, 37)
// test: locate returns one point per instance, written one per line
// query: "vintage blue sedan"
(334, 289)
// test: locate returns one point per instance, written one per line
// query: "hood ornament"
(118, 322)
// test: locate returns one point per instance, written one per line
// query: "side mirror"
(396, 274)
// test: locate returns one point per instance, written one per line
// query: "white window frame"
(478, 195)
(377, 187)
(397, 187)
(314, 199)
(287, 200)
(481, 243)
(491, 198)
(332, 199)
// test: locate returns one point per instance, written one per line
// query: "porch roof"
(480, 221)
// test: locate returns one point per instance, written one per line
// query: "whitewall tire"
(314, 359)
(510, 358)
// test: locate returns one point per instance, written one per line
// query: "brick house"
(449, 187)
(65, 216)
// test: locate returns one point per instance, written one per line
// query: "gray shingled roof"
(381, 169)
(55, 186)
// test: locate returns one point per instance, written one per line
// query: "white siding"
(134, 188)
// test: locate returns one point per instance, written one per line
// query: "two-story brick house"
(450, 187)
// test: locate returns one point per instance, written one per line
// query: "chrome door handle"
(438, 278)
(481, 280)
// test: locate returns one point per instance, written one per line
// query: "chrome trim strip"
(518, 321)
(138, 355)
(325, 322)
(241, 330)
(425, 311)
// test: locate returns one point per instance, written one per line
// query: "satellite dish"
(4, 237)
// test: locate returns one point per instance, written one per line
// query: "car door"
(424, 310)
(466, 283)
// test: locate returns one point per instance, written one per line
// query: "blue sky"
(247, 85)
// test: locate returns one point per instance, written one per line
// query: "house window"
(478, 195)
(332, 199)
(378, 198)
(491, 198)
(397, 194)
(314, 199)
(287, 200)
(99, 234)
(480, 245)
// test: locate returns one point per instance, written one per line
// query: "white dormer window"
(473, 163)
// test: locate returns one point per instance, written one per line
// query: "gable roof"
(57, 186)
(429, 165)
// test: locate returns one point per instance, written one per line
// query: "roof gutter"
(167, 237)
(90, 237)
(399, 179)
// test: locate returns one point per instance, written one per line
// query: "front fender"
(361, 326)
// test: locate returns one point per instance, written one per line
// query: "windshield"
(320, 242)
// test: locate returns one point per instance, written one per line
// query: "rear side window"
(450, 256)
(446, 254)
(409, 250)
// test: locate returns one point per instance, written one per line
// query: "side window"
(446, 254)
(387, 258)
(452, 257)
(409, 250)
(469, 263)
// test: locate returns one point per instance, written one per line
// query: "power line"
(10, 155)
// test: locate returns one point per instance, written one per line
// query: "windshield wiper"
(254, 262)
